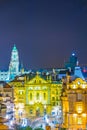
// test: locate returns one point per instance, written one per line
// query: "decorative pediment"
(79, 83)
(37, 80)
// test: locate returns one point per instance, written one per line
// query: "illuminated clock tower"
(14, 62)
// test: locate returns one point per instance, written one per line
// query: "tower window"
(14, 56)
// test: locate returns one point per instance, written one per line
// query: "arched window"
(31, 111)
(44, 96)
(37, 96)
(30, 96)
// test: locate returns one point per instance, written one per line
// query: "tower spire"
(22, 67)
(14, 62)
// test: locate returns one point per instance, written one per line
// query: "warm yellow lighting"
(45, 106)
(84, 114)
(74, 86)
(75, 115)
(79, 109)
(21, 105)
(83, 86)
(79, 120)
(37, 92)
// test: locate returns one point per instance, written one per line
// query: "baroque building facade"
(74, 103)
(37, 96)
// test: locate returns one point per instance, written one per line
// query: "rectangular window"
(30, 96)
(31, 111)
(44, 96)
(79, 96)
(20, 92)
(57, 92)
(56, 98)
(53, 103)
(79, 121)
(37, 96)
(53, 98)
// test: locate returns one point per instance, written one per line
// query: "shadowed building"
(72, 62)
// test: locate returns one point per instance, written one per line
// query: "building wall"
(39, 96)
(75, 104)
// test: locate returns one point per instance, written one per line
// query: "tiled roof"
(4, 84)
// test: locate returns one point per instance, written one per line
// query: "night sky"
(45, 32)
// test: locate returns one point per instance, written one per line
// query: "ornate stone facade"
(74, 102)
(37, 95)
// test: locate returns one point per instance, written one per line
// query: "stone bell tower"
(14, 62)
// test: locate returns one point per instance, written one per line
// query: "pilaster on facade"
(37, 94)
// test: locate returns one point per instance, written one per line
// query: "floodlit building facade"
(37, 96)
(14, 68)
(74, 103)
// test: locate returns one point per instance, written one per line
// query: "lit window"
(74, 86)
(84, 114)
(74, 115)
(79, 83)
(79, 109)
(79, 120)
(20, 92)
(83, 86)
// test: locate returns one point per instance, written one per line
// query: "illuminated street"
(19, 117)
